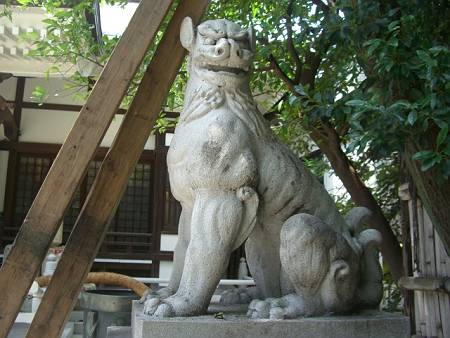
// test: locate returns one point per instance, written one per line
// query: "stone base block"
(236, 324)
(118, 332)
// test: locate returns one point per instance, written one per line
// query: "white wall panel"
(46, 126)
(8, 88)
(165, 269)
(53, 126)
(168, 242)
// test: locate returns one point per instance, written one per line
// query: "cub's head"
(220, 50)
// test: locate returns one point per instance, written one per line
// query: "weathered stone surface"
(374, 325)
(238, 183)
(119, 332)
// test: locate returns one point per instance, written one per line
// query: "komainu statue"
(237, 183)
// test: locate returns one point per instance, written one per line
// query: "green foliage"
(39, 94)
(407, 62)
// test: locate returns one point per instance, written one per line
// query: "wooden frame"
(43, 219)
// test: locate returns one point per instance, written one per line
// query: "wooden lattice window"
(129, 234)
(32, 170)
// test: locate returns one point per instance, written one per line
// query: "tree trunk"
(330, 145)
(434, 194)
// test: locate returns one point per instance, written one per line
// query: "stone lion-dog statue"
(238, 183)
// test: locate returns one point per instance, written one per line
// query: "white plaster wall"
(8, 88)
(3, 170)
(169, 138)
(46, 126)
(168, 242)
(165, 269)
(53, 126)
(114, 127)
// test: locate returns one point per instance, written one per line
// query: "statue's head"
(219, 50)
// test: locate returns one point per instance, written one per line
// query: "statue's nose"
(227, 48)
(222, 49)
(235, 50)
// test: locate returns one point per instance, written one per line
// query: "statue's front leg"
(184, 235)
(215, 227)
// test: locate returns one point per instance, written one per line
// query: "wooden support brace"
(433, 284)
(44, 217)
(111, 180)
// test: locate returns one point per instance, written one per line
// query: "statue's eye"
(209, 41)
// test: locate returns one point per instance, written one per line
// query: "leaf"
(392, 12)
(446, 169)
(433, 102)
(441, 124)
(293, 100)
(400, 104)
(355, 103)
(438, 49)
(442, 136)
(393, 42)
(427, 59)
(280, 105)
(394, 25)
(412, 117)
(428, 163)
(300, 90)
(389, 64)
(447, 149)
(373, 44)
(423, 154)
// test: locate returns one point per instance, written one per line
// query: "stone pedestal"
(236, 324)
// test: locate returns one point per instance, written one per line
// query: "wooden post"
(105, 194)
(44, 217)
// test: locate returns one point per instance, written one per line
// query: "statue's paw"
(272, 308)
(156, 307)
(258, 309)
(160, 294)
(172, 306)
(235, 296)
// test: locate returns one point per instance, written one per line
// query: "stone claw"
(163, 311)
(235, 296)
(258, 309)
(162, 293)
(151, 305)
(271, 308)
(168, 307)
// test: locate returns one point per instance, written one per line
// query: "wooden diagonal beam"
(44, 217)
(105, 194)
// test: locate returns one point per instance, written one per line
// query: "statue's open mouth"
(233, 70)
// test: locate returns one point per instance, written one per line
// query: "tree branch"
(7, 119)
(290, 43)
(286, 79)
(323, 7)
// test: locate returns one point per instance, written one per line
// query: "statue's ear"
(251, 39)
(187, 33)
(340, 269)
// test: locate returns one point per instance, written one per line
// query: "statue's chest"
(189, 140)
(197, 143)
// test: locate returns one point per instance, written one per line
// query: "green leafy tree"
(403, 48)
(366, 81)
